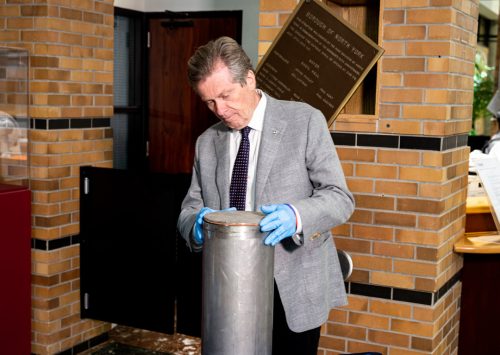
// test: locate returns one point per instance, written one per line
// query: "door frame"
(137, 133)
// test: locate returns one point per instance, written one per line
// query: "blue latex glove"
(280, 220)
(198, 223)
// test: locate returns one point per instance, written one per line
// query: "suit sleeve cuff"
(192, 242)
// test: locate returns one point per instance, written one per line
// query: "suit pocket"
(316, 240)
(315, 273)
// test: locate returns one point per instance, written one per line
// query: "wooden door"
(176, 116)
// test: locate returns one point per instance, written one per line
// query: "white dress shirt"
(256, 124)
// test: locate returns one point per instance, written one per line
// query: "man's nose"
(220, 107)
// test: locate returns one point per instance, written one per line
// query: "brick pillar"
(407, 167)
(71, 96)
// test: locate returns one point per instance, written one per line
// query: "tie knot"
(245, 131)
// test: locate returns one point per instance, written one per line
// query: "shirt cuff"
(299, 220)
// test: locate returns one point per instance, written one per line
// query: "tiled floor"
(130, 341)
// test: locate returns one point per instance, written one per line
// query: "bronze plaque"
(317, 58)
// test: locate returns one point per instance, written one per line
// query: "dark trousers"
(286, 342)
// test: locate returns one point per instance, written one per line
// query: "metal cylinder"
(238, 285)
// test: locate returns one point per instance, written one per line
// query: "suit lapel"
(221, 142)
(272, 133)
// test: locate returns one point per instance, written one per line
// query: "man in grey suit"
(294, 177)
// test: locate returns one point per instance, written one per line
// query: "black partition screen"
(133, 264)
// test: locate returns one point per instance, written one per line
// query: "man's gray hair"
(225, 50)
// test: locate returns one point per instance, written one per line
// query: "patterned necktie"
(238, 187)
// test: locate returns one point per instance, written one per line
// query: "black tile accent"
(23, 122)
(81, 123)
(449, 142)
(101, 122)
(80, 348)
(86, 345)
(413, 296)
(421, 143)
(370, 290)
(69, 123)
(399, 294)
(440, 293)
(99, 339)
(447, 286)
(59, 243)
(401, 142)
(39, 244)
(462, 140)
(58, 123)
(75, 239)
(377, 140)
(38, 123)
(54, 244)
(344, 138)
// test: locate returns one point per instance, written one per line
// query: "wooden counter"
(481, 235)
(478, 243)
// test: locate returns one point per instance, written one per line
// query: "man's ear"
(251, 80)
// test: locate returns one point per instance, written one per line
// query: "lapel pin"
(275, 132)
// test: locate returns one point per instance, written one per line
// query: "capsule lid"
(234, 218)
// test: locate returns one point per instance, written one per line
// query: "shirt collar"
(257, 120)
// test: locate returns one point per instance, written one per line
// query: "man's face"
(231, 102)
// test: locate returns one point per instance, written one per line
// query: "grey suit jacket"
(297, 164)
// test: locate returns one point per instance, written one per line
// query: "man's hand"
(198, 223)
(280, 220)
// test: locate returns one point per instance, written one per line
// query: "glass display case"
(14, 116)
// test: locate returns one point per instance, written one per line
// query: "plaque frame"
(338, 21)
